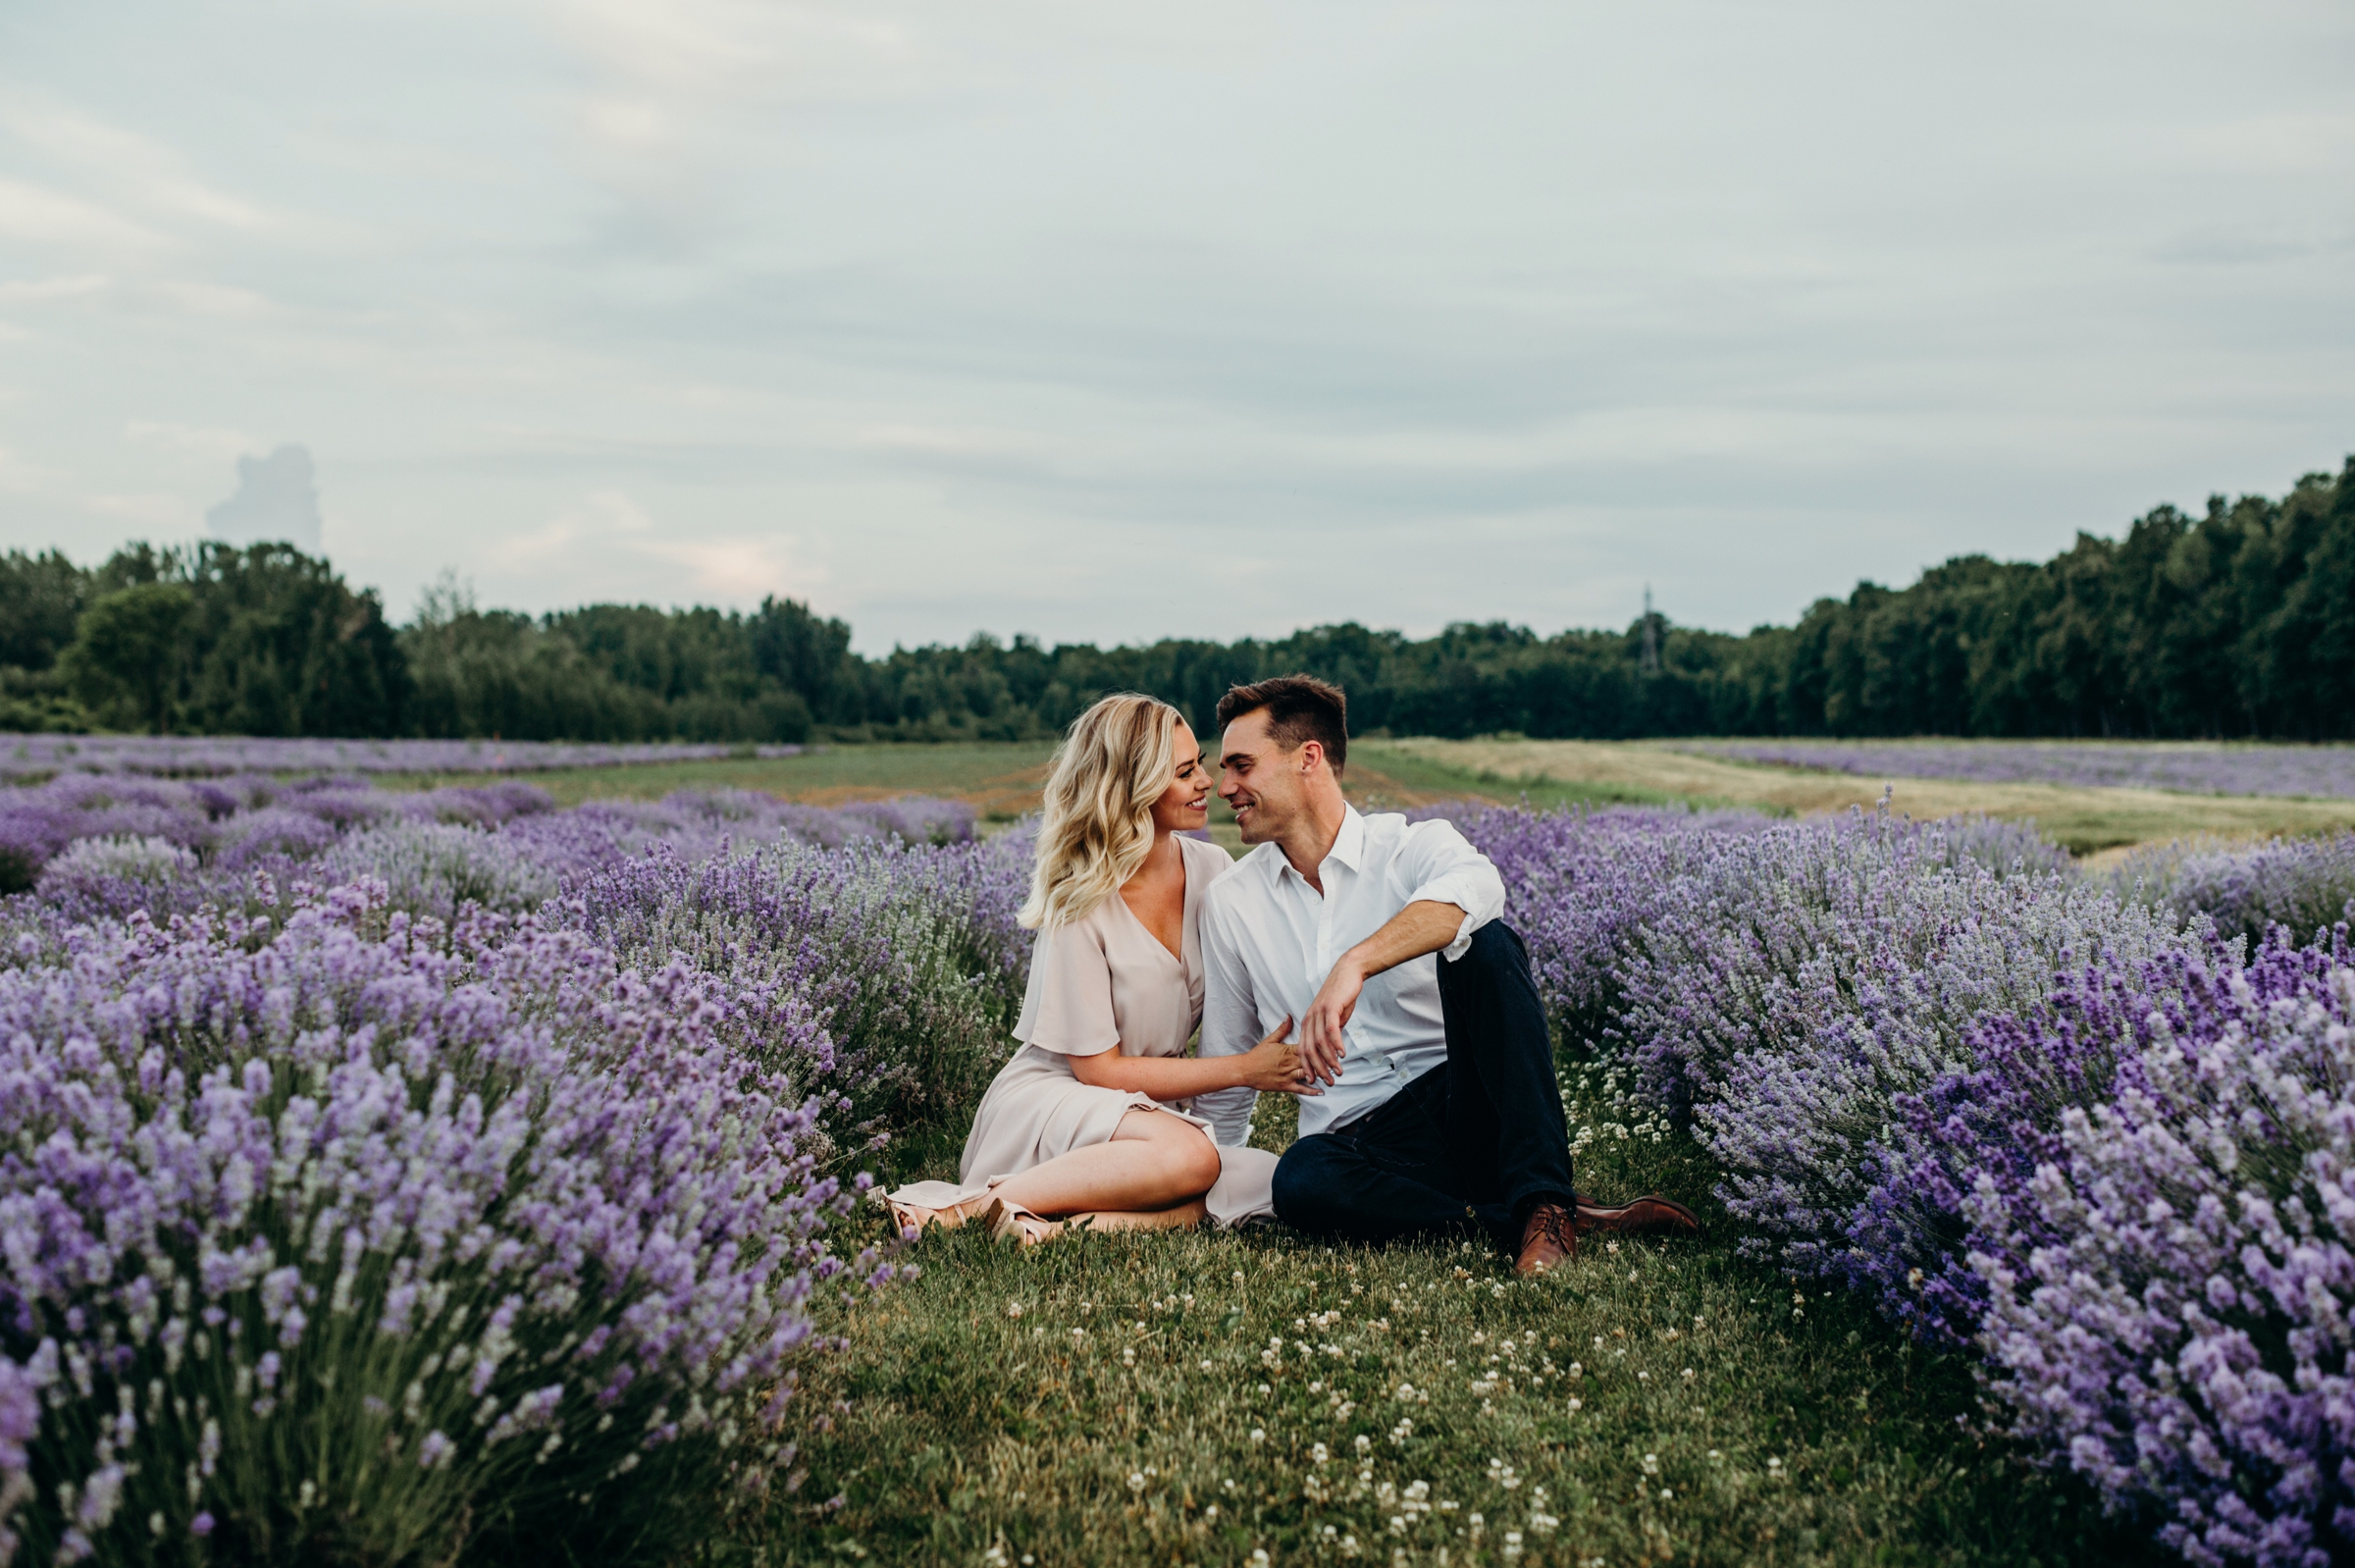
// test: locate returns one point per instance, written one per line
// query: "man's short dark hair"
(1300, 709)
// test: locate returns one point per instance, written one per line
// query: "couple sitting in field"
(1355, 961)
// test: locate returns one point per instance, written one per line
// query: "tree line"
(2238, 622)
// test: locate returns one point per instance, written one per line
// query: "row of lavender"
(382, 1102)
(38, 757)
(2068, 1123)
(451, 1179)
(2190, 767)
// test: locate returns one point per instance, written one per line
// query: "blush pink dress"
(1099, 983)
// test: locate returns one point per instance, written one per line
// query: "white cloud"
(598, 520)
(738, 571)
(692, 51)
(46, 290)
(34, 213)
(150, 174)
(608, 537)
(162, 514)
(19, 477)
(215, 443)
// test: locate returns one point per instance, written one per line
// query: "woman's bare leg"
(1152, 1163)
(1030, 1229)
(1170, 1219)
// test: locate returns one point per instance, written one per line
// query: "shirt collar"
(1349, 846)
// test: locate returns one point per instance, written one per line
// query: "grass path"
(1200, 1398)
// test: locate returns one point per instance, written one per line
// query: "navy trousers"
(1471, 1145)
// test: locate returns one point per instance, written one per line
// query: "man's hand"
(1320, 1039)
(1423, 926)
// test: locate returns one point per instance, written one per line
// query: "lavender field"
(442, 1177)
(2318, 771)
(41, 756)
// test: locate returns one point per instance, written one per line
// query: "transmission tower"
(1652, 637)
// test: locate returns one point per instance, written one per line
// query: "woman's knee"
(1195, 1163)
(1181, 1153)
(1188, 1157)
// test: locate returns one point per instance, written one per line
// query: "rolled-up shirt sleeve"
(1436, 862)
(1230, 1027)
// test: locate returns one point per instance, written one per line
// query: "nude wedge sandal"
(906, 1217)
(1011, 1222)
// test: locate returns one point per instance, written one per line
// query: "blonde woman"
(1090, 1121)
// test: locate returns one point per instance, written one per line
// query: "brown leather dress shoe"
(1548, 1236)
(1649, 1214)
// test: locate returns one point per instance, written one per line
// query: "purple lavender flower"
(2192, 767)
(502, 1189)
(2306, 885)
(2169, 1269)
(199, 756)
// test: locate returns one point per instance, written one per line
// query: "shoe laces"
(1558, 1225)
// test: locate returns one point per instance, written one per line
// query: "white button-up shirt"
(1269, 940)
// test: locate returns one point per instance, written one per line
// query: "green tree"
(131, 650)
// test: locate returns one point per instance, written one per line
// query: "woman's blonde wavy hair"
(1114, 763)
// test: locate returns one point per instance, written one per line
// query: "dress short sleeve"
(1068, 1008)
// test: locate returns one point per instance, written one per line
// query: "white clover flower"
(1259, 1435)
(1014, 1309)
(1136, 1481)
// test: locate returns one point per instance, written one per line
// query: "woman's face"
(1185, 804)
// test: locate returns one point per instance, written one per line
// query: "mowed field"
(1002, 782)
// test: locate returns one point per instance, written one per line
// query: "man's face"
(1261, 781)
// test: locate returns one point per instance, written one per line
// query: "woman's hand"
(1275, 1068)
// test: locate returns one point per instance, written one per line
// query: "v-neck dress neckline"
(1185, 914)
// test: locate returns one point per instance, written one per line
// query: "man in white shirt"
(1436, 1107)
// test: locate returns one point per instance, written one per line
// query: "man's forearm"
(1424, 926)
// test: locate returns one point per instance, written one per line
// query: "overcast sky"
(1108, 321)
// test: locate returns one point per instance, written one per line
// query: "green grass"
(1394, 776)
(985, 773)
(1110, 1400)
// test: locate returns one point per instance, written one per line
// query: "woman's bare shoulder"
(1207, 856)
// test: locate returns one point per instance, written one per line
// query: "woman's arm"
(1273, 1067)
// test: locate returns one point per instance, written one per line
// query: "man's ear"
(1312, 756)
